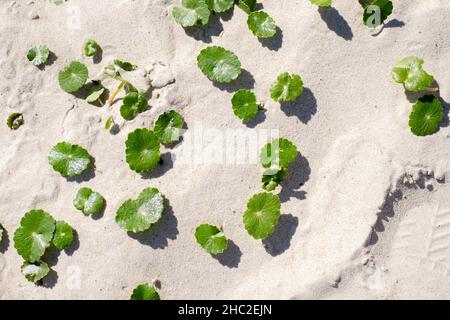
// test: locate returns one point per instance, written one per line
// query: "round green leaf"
(88, 201)
(191, 12)
(426, 115)
(95, 93)
(280, 153)
(38, 55)
(73, 77)
(262, 215)
(261, 24)
(409, 71)
(34, 271)
(220, 5)
(69, 159)
(15, 120)
(90, 48)
(244, 104)
(168, 127)
(145, 291)
(140, 214)
(247, 5)
(376, 11)
(142, 150)
(219, 64)
(286, 88)
(211, 238)
(34, 235)
(322, 3)
(63, 236)
(133, 103)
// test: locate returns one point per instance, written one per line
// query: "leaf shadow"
(258, 119)
(280, 240)
(273, 43)
(98, 57)
(299, 174)
(4, 243)
(244, 81)
(50, 280)
(336, 23)
(165, 164)
(303, 108)
(231, 257)
(74, 246)
(394, 23)
(205, 33)
(158, 236)
(446, 106)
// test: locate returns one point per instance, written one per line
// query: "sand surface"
(365, 211)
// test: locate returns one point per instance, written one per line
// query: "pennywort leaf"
(262, 215)
(38, 55)
(219, 64)
(142, 150)
(145, 291)
(272, 178)
(140, 214)
(287, 87)
(261, 24)
(322, 3)
(90, 48)
(133, 103)
(191, 12)
(168, 127)
(34, 271)
(69, 159)
(211, 238)
(63, 236)
(247, 6)
(15, 120)
(376, 11)
(244, 105)
(410, 72)
(73, 77)
(220, 5)
(280, 153)
(88, 201)
(124, 65)
(95, 93)
(426, 115)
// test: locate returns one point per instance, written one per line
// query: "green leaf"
(409, 71)
(322, 3)
(57, 2)
(38, 55)
(426, 115)
(244, 105)
(95, 93)
(219, 64)
(247, 6)
(90, 48)
(211, 238)
(127, 66)
(109, 122)
(262, 215)
(34, 235)
(376, 11)
(272, 178)
(168, 127)
(15, 120)
(88, 201)
(63, 236)
(73, 77)
(286, 88)
(133, 103)
(1, 233)
(280, 153)
(142, 150)
(145, 291)
(220, 5)
(261, 24)
(191, 12)
(140, 214)
(69, 159)
(34, 272)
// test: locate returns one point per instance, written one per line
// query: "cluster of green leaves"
(244, 104)
(73, 77)
(69, 159)
(38, 55)
(262, 215)
(91, 48)
(409, 71)
(219, 64)
(321, 3)
(37, 231)
(140, 214)
(287, 87)
(114, 71)
(15, 120)
(376, 11)
(145, 291)
(89, 202)
(211, 238)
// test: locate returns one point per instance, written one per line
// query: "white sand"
(363, 213)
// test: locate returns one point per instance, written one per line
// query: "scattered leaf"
(88, 201)
(142, 150)
(211, 238)
(63, 236)
(261, 24)
(280, 153)
(426, 115)
(220, 5)
(133, 103)
(145, 291)
(244, 105)
(272, 178)
(191, 12)
(69, 159)
(219, 64)
(109, 122)
(247, 6)
(322, 3)
(286, 88)
(73, 77)
(15, 120)
(262, 215)
(34, 271)
(95, 93)
(90, 48)
(127, 66)
(168, 127)
(38, 55)
(409, 71)
(376, 11)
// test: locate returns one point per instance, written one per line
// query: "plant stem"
(111, 99)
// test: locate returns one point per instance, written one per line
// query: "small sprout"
(191, 12)
(426, 115)
(261, 24)
(322, 3)
(220, 5)
(95, 94)
(140, 214)
(142, 150)
(272, 178)
(262, 215)
(90, 48)
(219, 64)
(34, 235)
(73, 77)
(88, 201)
(15, 120)
(109, 122)
(168, 127)
(69, 159)
(211, 238)
(287, 87)
(244, 105)
(247, 6)
(63, 236)
(409, 71)
(376, 11)
(34, 271)
(145, 291)
(38, 55)
(133, 103)
(124, 65)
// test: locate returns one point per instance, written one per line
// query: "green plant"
(133, 103)
(15, 120)
(322, 3)
(1, 233)
(426, 115)
(38, 55)
(409, 71)
(140, 214)
(73, 77)
(191, 13)
(69, 159)
(376, 11)
(286, 88)
(261, 24)
(219, 64)
(125, 65)
(244, 105)
(90, 48)
(142, 150)
(113, 71)
(211, 238)
(168, 127)
(34, 271)
(63, 236)
(145, 291)
(262, 215)
(89, 202)
(247, 6)
(220, 5)
(95, 93)
(109, 122)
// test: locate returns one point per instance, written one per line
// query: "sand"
(365, 211)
